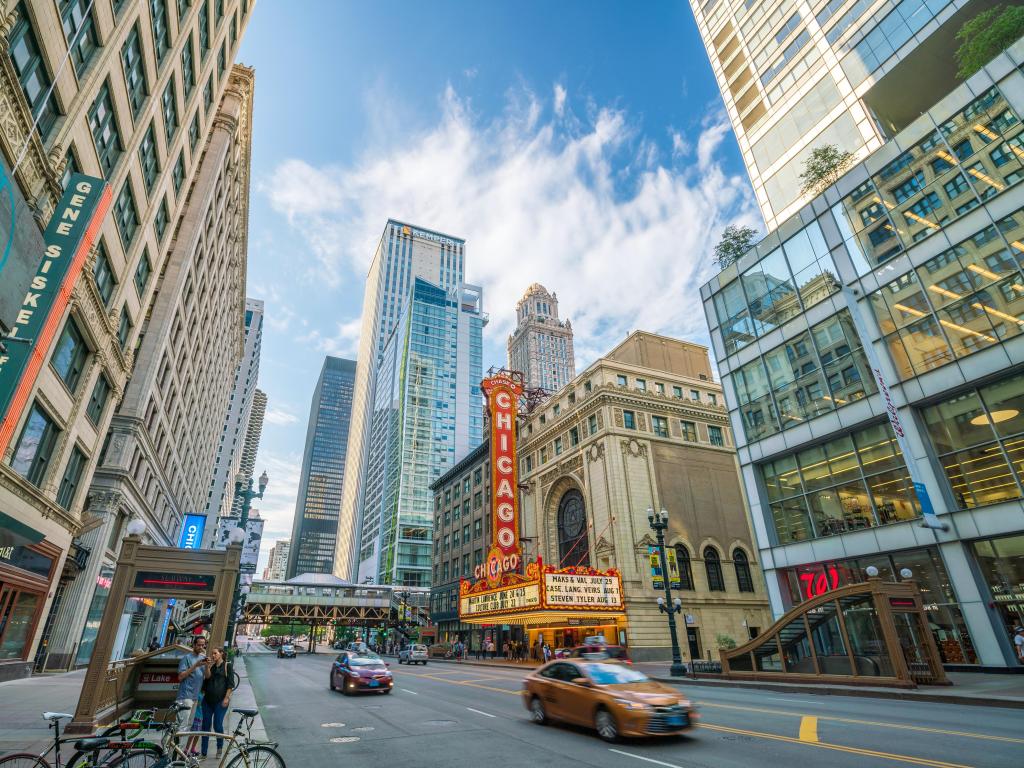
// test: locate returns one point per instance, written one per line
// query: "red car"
(353, 671)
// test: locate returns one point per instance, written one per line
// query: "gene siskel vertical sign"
(68, 238)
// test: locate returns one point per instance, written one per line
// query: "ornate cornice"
(47, 508)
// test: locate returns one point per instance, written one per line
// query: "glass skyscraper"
(427, 413)
(315, 525)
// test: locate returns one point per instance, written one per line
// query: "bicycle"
(122, 754)
(249, 752)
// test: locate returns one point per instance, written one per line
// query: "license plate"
(374, 683)
(677, 721)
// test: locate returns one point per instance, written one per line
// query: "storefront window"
(17, 610)
(847, 484)
(95, 615)
(1002, 566)
(979, 437)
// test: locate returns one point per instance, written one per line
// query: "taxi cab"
(610, 697)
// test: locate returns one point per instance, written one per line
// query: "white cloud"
(680, 146)
(560, 94)
(277, 507)
(279, 416)
(584, 208)
(343, 343)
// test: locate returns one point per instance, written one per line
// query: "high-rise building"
(234, 436)
(403, 253)
(251, 446)
(799, 76)
(427, 412)
(541, 345)
(315, 525)
(872, 354)
(277, 563)
(146, 99)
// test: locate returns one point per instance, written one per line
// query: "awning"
(550, 617)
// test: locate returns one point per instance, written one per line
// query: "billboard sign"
(21, 247)
(251, 545)
(192, 532)
(68, 237)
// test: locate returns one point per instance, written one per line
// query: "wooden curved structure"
(874, 633)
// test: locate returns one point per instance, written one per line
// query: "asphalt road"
(451, 716)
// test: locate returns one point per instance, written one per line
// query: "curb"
(874, 693)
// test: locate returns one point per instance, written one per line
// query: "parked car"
(359, 647)
(413, 654)
(601, 652)
(352, 672)
(286, 651)
(614, 699)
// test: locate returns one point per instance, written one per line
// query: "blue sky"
(579, 144)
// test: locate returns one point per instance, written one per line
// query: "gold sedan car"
(614, 699)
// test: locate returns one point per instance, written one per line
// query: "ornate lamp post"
(659, 523)
(237, 536)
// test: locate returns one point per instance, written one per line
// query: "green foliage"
(276, 630)
(734, 243)
(986, 36)
(725, 642)
(823, 168)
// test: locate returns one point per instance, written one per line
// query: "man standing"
(193, 669)
(1018, 642)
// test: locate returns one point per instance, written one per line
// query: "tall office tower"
(133, 102)
(427, 413)
(219, 500)
(871, 349)
(403, 253)
(251, 446)
(853, 73)
(541, 345)
(315, 525)
(277, 563)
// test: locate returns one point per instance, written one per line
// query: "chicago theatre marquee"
(560, 606)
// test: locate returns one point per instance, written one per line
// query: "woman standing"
(217, 690)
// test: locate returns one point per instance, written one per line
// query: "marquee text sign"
(582, 591)
(501, 601)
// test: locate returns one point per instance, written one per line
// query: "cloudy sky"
(581, 144)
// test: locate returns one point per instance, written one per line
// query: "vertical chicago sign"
(503, 392)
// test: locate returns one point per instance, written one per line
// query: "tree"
(986, 36)
(725, 642)
(734, 243)
(823, 168)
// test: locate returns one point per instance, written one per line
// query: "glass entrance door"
(910, 634)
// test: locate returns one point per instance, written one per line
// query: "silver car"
(413, 654)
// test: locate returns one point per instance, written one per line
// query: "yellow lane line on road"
(808, 728)
(854, 721)
(837, 747)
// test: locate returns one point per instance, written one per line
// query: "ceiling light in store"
(997, 416)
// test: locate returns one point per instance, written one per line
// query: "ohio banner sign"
(67, 240)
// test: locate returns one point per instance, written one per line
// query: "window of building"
(677, 392)
(125, 214)
(219, 7)
(79, 31)
(592, 424)
(573, 542)
(204, 29)
(161, 34)
(103, 124)
(465, 534)
(35, 80)
(465, 508)
(72, 476)
(447, 517)
(742, 565)
(574, 436)
(478, 477)
(134, 71)
(35, 445)
(684, 566)
(465, 485)
(621, 380)
(148, 159)
(641, 384)
(478, 528)
(160, 220)
(208, 94)
(103, 274)
(170, 110)
(124, 328)
(188, 69)
(444, 570)
(98, 399)
(557, 409)
(193, 132)
(71, 167)
(70, 354)
(178, 173)
(660, 426)
(713, 567)
(183, 6)
(558, 446)
(712, 398)
(689, 430)
(222, 60)
(544, 455)
(977, 436)
(695, 395)
(715, 435)
(659, 388)
(478, 500)
(629, 419)
(234, 29)
(142, 272)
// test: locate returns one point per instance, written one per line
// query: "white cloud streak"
(279, 416)
(587, 209)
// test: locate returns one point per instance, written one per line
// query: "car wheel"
(537, 711)
(331, 681)
(386, 692)
(423, 663)
(607, 728)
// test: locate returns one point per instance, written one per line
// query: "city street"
(447, 715)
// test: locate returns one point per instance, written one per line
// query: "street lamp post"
(659, 522)
(237, 536)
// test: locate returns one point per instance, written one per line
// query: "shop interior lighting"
(997, 313)
(921, 220)
(968, 331)
(945, 292)
(986, 178)
(983, 272)
(988, 134)
(909, 310)
(996, 416)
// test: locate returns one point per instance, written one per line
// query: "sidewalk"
(969, 688)
(23, 701)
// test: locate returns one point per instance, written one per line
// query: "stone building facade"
(645, 427)
(541, 345)
(132, 105)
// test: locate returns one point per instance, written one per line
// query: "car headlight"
(627, 704)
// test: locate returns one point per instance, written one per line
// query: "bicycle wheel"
(23, 760)
(139, 759)
(258, 756)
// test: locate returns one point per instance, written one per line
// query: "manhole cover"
(344, 739)
(332, 725)
(440, 723)
(372, 706)
(270, 706)
(364, 728)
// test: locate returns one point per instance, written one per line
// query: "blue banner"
(192, 532)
